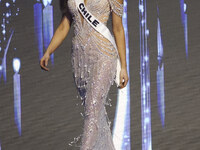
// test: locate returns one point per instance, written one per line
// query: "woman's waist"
(81, 38)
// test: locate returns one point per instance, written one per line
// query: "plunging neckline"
(82, 20)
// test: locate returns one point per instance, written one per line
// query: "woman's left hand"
(123, 78)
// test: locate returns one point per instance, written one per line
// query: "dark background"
(51, 111)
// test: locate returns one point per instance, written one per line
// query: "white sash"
(101, 28)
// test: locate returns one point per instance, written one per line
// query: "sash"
(94, 22)
(101, 28)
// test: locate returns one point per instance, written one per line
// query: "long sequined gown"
(94, 61)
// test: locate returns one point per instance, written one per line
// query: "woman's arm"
(118, 31)
(58, 37)
(119, 35)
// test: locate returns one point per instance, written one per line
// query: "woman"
(94, 61)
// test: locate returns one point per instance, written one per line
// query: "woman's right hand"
(44, 61)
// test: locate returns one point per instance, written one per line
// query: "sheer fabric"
(94, 61)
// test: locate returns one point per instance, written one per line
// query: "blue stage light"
(185, 7)
(46, 2)
(16, 64)
(7, 4)
(4, 32)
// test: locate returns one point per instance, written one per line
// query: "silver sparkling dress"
(94, 61)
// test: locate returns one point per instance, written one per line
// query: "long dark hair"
(64, 9)
(63, 5)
